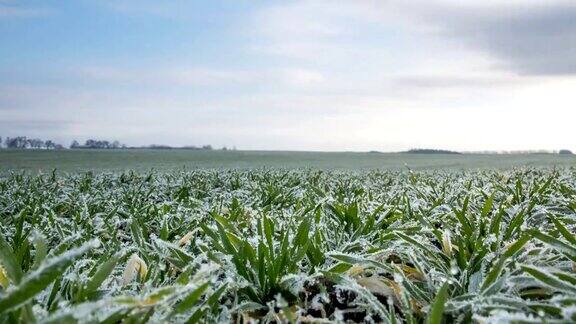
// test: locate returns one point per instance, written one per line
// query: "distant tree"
(35, 143)
(0, 141)
(207, 147)
(10, 142)
(90, 143)
(565, 152)
(159, 147)
(431, 151)
(18, 142)
(22, 142)
(74, 144)
(98, 144)
(50, 145)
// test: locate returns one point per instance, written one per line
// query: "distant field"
(165, 160)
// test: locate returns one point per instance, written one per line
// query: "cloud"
(453, 82)
(201, 76)
(168, 75)
(528, 37)
(293, 82)
(17, 125)
(525, 37)
(315, 121)
(307, 30)
(541, 42)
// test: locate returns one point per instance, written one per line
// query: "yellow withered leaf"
(355, 270)
(135, 265)
(412, 273)
(4, 281)
(185, 239)
(376, 286)
(395, 287)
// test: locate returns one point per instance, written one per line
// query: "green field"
(287, 246)
(174, 236)
(166, 160)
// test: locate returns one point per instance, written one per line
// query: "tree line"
(97, 144)
(23, 142)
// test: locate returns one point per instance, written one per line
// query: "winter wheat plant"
(289, 246)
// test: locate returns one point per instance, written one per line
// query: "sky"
(354, 75)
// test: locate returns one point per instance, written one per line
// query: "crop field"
(144, 160)
(304, 246)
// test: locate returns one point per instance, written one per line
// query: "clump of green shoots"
(289, 246)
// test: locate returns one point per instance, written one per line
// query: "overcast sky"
(292, 75)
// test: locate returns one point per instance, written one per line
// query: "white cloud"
(515, 120)
(166, 75)
(200, 76)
